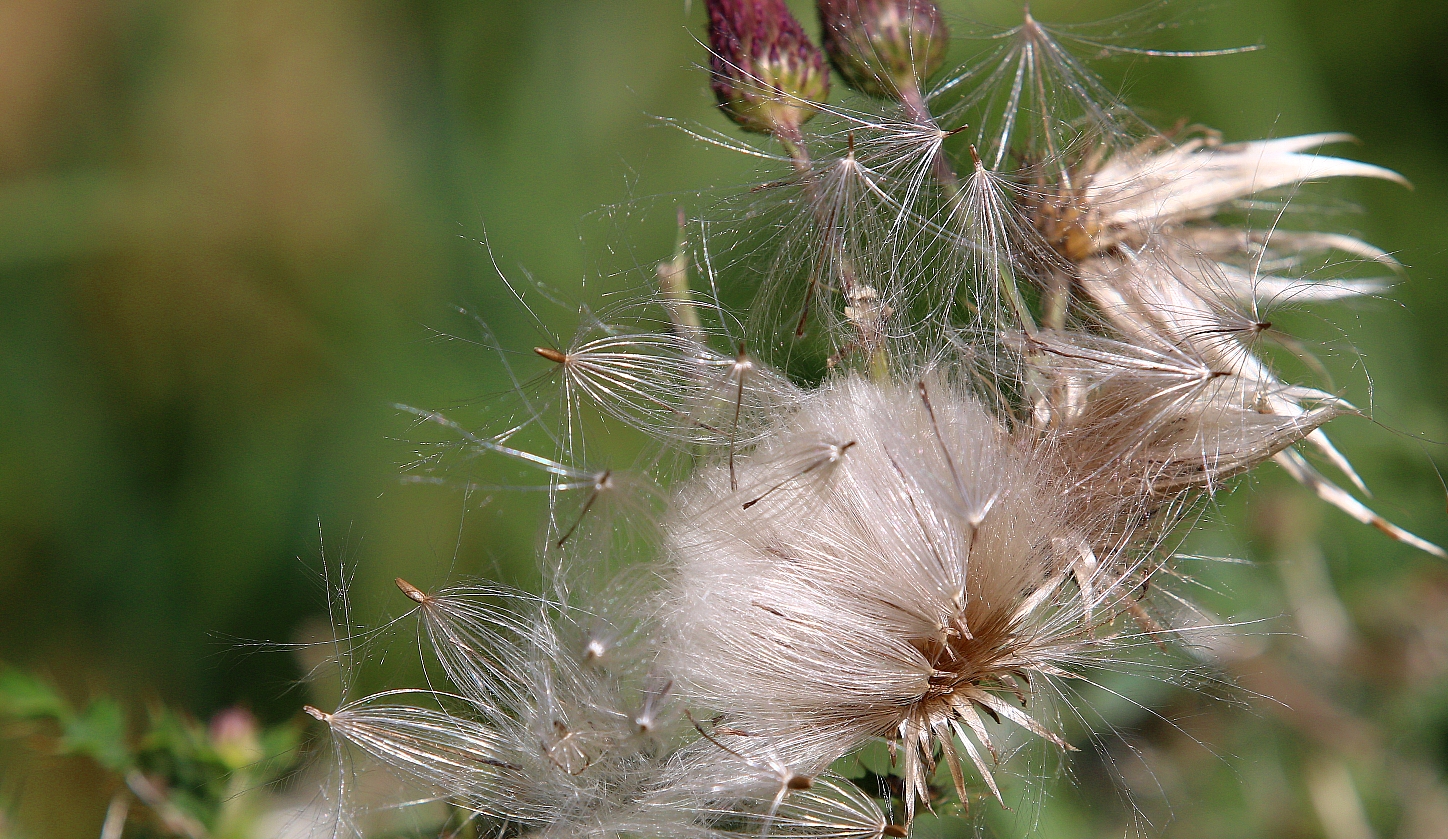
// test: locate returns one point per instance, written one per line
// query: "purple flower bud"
(884, 48)
(765, 71)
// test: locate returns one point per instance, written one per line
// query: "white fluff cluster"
(1040, 333)
(888, 562)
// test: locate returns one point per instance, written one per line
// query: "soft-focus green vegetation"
(185, 779)
(231, 232)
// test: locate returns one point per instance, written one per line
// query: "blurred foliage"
(192, 781)
(231, 232)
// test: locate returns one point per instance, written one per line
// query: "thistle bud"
(764, 69)
(235, 736)
(884, 48)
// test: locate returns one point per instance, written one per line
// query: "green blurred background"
(231, 234)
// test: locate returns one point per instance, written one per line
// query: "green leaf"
(25, 696)
(99, 732)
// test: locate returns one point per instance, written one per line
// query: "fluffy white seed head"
(895, 585)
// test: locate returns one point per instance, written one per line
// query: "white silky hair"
(881, 587)
(557, 721)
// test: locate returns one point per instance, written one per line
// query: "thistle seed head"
(765, 72)
(884, 48)
(894, 587)
(1044, 347)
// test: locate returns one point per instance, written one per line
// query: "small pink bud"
(764, 69)
(235, 737)
(884, 48)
